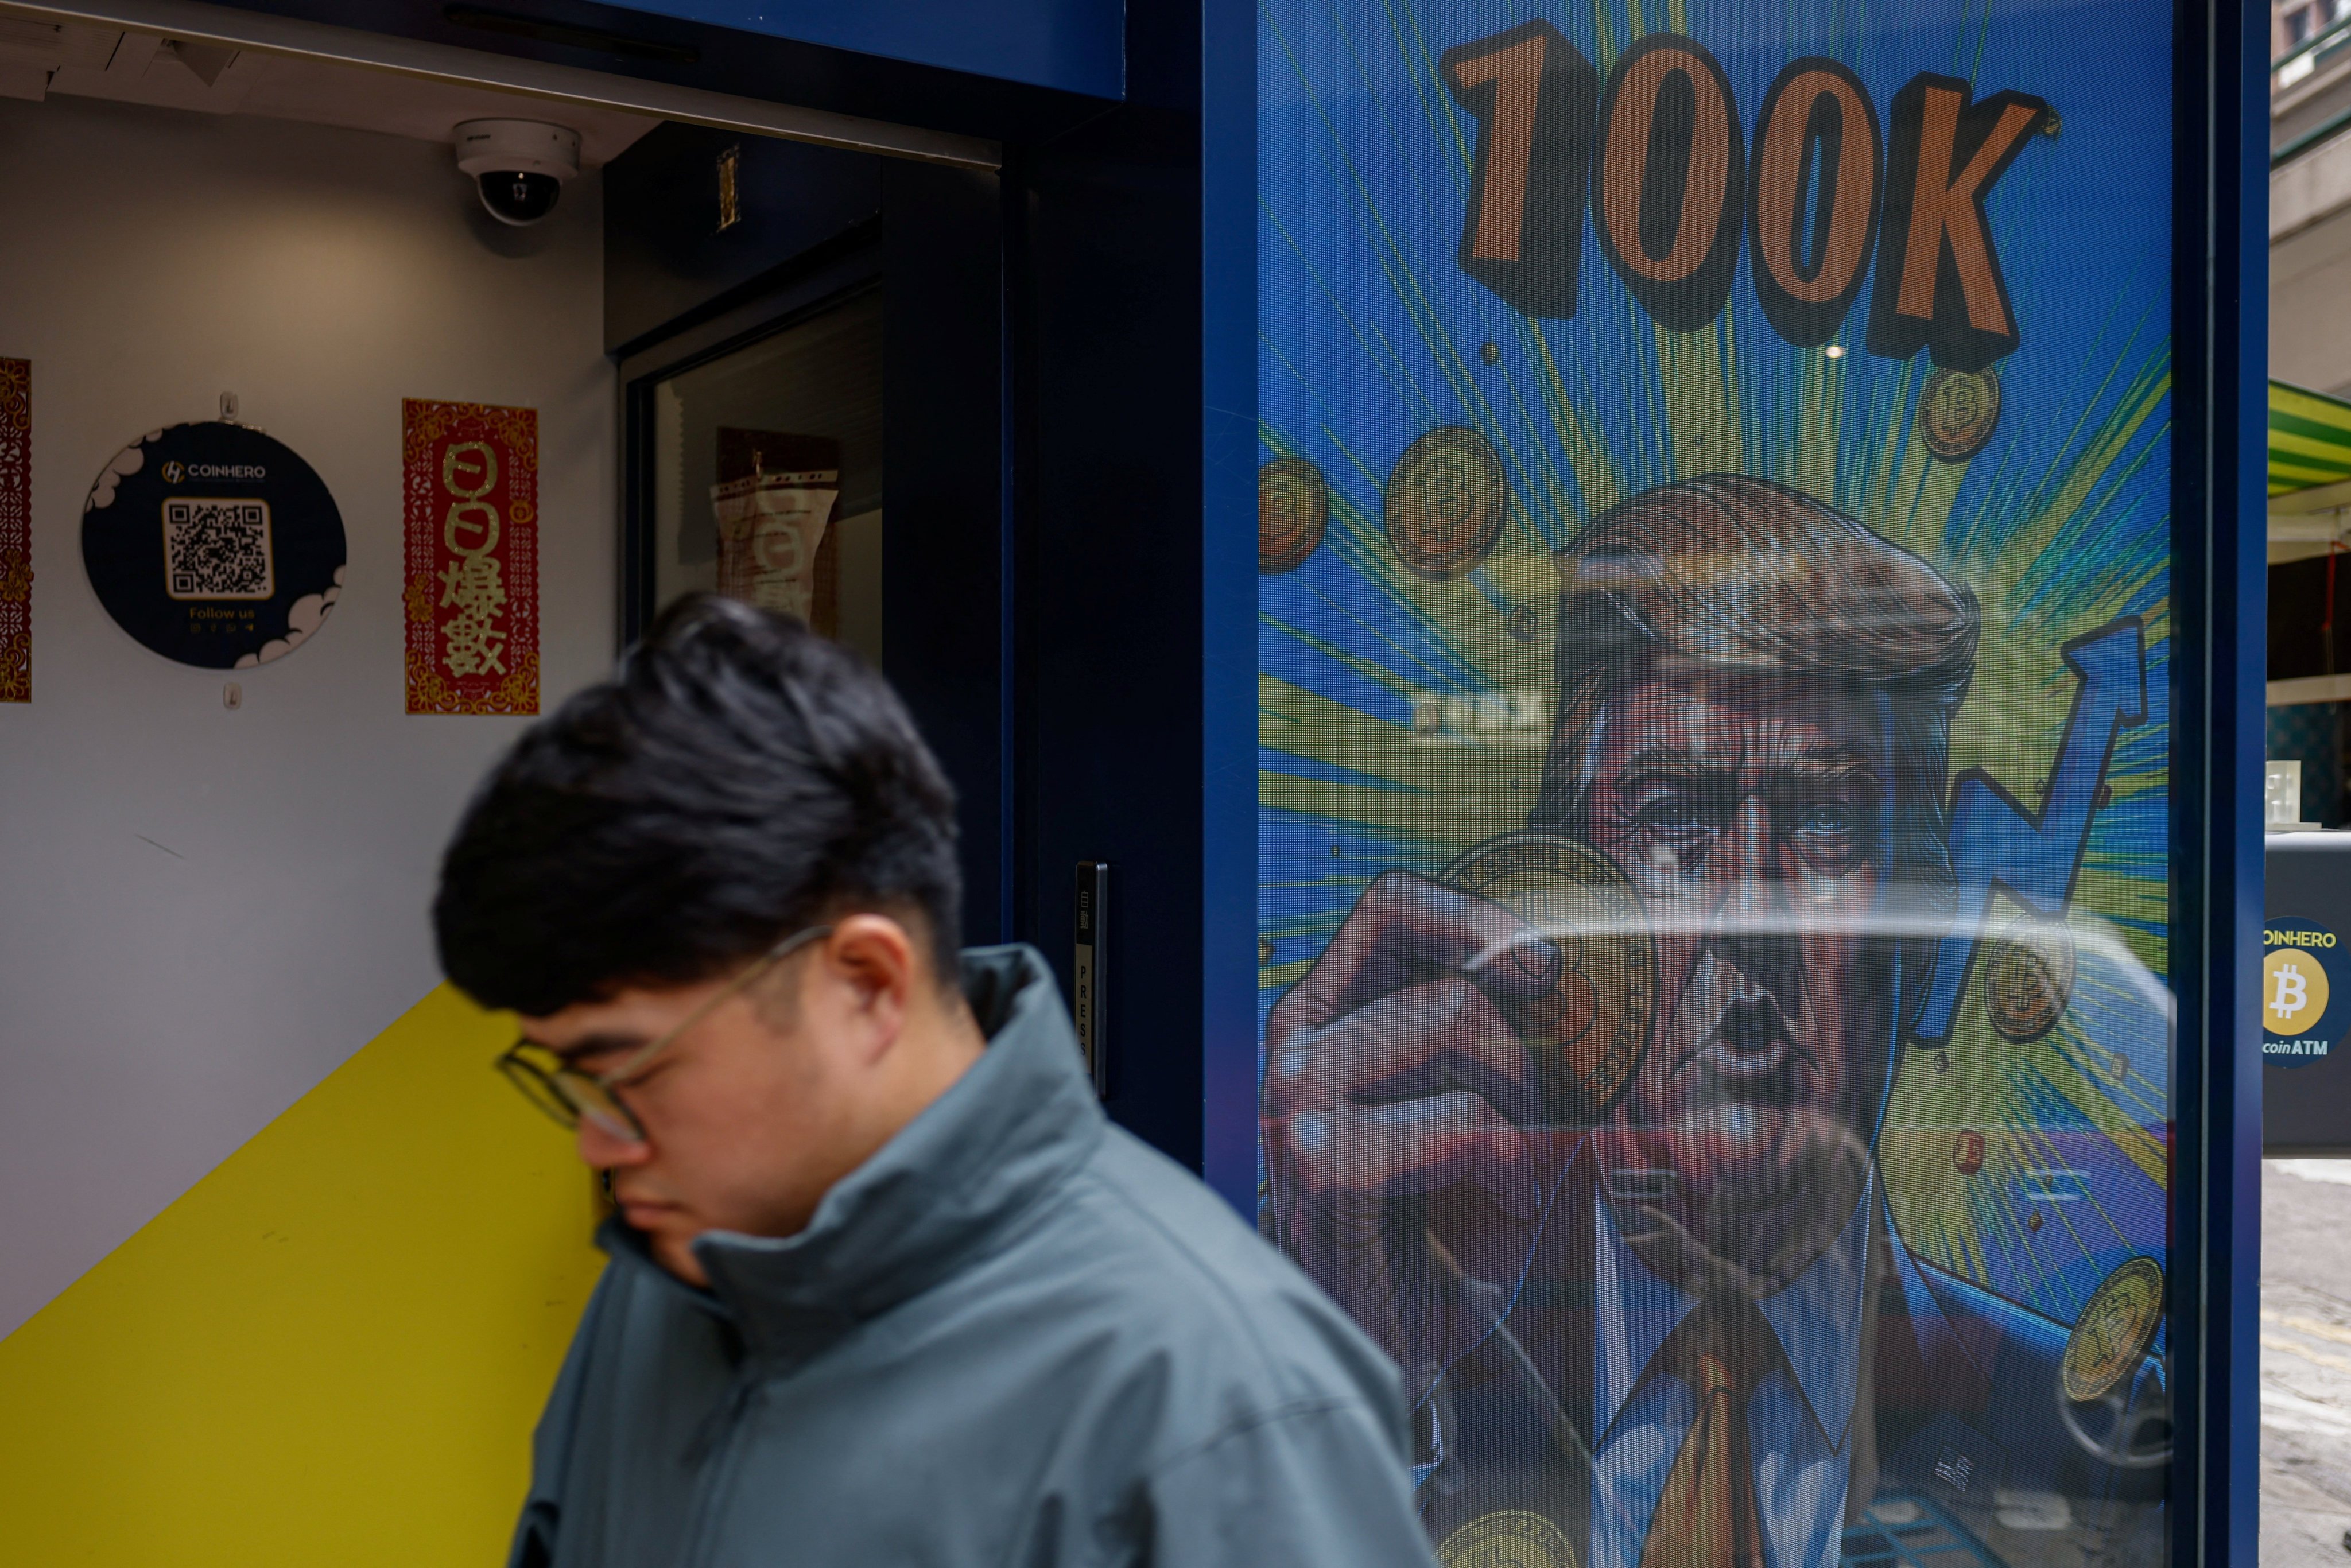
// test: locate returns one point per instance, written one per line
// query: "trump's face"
(1750, 811)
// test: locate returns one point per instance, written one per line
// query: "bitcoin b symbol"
(1293, 505)
(2294, 992)
(1444, 499)
(1447, 498)
(1958, 412)
(2028, 977)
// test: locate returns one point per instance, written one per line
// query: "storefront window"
(1716, 548)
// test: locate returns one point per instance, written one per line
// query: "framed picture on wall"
(759, 471)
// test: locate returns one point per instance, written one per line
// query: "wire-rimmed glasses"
(572, 1096)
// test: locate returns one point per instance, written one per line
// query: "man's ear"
(875, 957)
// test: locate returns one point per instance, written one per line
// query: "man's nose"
(1755, 930)
(605, 1151)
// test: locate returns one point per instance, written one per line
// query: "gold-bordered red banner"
(469, 510)
(15, 530)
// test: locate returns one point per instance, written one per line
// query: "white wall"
(2310, 301)
(204, 912)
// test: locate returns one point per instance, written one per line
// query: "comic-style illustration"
(1714, 754)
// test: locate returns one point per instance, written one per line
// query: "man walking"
(885, 1286)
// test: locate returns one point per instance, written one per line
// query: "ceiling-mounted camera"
(520, 165)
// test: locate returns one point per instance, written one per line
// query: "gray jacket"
(1014, 1336)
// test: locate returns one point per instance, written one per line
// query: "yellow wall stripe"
(2310, 439)
(328, 1351)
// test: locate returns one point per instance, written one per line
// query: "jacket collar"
(958, 1178)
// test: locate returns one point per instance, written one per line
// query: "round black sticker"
(2306, 992)
(213, 544)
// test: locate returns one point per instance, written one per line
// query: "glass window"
(1714, 810)
(768, 478)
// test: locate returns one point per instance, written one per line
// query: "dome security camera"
(520, 165)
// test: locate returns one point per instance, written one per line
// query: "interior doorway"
(768, 477)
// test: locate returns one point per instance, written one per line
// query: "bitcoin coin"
(2293, 991)
(2028, 977)
(1958, 412)
(2114, 1328)
(1293, 505)
(1590, 1030)
(1512, 1539)
(1445, 501)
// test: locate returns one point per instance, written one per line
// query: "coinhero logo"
(177, 472)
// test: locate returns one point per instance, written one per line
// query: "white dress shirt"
(1799, 1417)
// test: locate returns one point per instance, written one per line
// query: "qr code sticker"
(217, 549)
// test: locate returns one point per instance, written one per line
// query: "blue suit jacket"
(1962, 1394)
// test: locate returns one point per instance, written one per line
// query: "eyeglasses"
(572, 1096)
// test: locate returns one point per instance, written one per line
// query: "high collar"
(958, 1177)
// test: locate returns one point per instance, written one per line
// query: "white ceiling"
(39, 57)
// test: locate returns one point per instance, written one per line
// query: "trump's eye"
(1674, 816)
(1825, 818)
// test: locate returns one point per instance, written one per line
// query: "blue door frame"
(2221, 287)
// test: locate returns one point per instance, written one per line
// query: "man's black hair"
(739, 779)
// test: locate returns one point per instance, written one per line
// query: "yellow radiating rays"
(2131, 902)
(1878, 447)
(2004, 1092)
(1700, 392)
(1811, 463)
(1580, 440)
(1604, 33)
(1441, 792)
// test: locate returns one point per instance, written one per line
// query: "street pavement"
(2306, 1363)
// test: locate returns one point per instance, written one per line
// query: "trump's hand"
(1403, 1121)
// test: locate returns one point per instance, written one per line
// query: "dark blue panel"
(1229, 571)
(905, 89)
(1076, 44)
(2221, 267)
(2241, 285)
(941, 551)
(1109, 308)
(667, 261)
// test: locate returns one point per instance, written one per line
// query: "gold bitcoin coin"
(1293, 505)
(2028, 977)
(1445, 501)
(1512, 1539)
(1590, 1030)
(2114, 1328)
(2293, 991)
(1958, 412)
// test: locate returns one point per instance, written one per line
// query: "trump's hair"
(1750, 577)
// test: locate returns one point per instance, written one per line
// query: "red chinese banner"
(15, 530)
(470, 514)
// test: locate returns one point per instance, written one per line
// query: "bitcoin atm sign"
(2301, 978)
